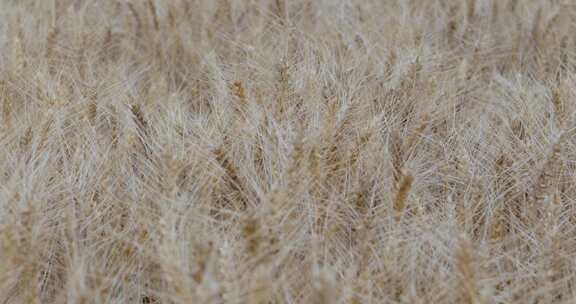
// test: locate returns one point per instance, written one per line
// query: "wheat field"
(287, 151)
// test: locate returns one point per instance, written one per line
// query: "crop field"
(287, 151)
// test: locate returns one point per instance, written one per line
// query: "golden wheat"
(273, 151)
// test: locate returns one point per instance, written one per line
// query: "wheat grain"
(402, 194)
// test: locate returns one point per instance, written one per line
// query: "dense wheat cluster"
(287, 151)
